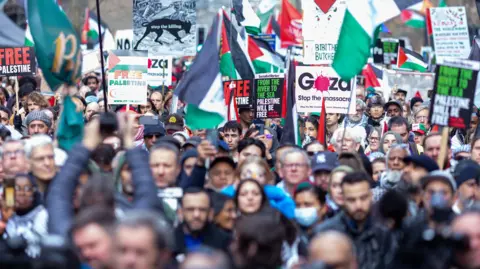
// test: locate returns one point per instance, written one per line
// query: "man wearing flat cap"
(38, 122)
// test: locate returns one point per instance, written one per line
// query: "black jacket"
(62, 189)
(212, 237)
(374, 245)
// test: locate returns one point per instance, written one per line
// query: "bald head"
(91, 108)
(334, 249)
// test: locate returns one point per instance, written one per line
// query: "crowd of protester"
(164, 196)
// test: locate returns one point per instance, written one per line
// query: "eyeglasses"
(294, 165)
(10, 154)
(421, 117)
(374, 138)
(24, 188)
(312, 153)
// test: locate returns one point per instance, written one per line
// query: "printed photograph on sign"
(165, 27)
(313, 83)
(450, 32)
(17, 61)
(322, 21)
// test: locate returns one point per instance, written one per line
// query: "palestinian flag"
(421, 7)
(412, 19)
(201, 87)
(89, 33)
(90, 36)
(290, 21)
(234, 45)
(443, 3)
(246, 16)
(410, 60)
(264, 59)
(373, 77)
(265, 11)
(28, 37)
(356, 34)
(291, 131)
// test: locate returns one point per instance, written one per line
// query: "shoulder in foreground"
(334, 223)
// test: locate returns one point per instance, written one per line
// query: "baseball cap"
(393, 102)
(174, 122)
(466, 170)
(401, 90)
(222, 159)
(154, 129)
(324, 161)
(419, 128)
(423, 161)
(376, 100)
(439, 175)
(415, 100)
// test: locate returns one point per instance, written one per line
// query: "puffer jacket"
(374, 245)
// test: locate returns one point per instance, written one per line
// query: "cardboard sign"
(127, 77)
(321, 28)
(313, 83)
(17, 61)
(159, 71)
(268, 95)
(242, 90)
(454, 90)
(450, 32)
(386, 50)
(124, 39)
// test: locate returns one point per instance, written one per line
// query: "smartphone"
(212, 136)
(148, 120)
(260, 128)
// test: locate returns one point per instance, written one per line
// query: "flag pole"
(100, 41)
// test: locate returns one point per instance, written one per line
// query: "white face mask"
(306, 217)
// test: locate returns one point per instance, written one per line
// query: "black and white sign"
(165, 27)
(124, 39)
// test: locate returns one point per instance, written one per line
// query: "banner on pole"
(450, 32)
(18, 61)
(127, 77)
(321, 28)
(316, 82)
(160, 70)
(386, 50)
(453, 93)
(242, 91)
(268, 95)
(165, 27)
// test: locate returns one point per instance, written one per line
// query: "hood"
(397, 137)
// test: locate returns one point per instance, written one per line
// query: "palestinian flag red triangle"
(402, 57)
(253, 50)
(325, 5)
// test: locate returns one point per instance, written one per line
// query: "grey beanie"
(38, 115)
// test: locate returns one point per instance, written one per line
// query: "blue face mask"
(306, 217)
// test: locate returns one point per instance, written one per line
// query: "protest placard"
(453, 93)
(242, 91)
(268, 95)
(315, 82)
(450, 32)
(165, 27)
(159, 71)
(321, 28)
(127, 77)
(18, 61)
(386, 50)
(124, 39)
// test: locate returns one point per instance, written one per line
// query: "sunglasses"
(312, 153)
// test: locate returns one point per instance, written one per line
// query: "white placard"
(450, 32)
(159, 70)
(312, 83)
(321, 31)
(124, 39)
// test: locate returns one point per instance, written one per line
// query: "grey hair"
(357, 133)
(157, 224)
(36, 141)
(361, 104)
(292, 151)
(420, 108)
(10, 140)
(405, 147)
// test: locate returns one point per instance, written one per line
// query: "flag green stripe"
(120, 67)
(414, 66)
(353, 48)
(227, 67)
(197, 118)
(415, 23)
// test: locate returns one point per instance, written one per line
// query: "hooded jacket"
(277, 197)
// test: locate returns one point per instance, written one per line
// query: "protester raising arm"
(62, 188)
(145, 195)
(197, 179)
